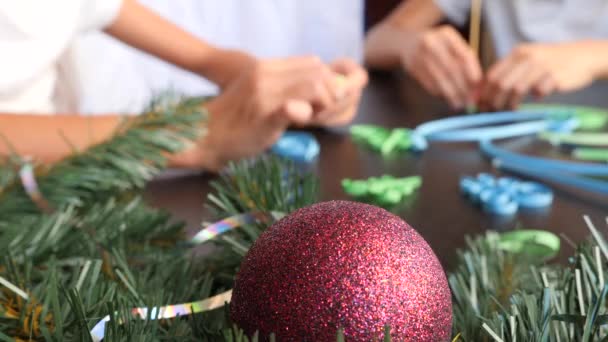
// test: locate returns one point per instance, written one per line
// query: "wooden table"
(438, 211)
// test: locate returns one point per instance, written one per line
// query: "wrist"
(200, 155)
(203, 153)
(387, 43)
(408, 49)
(210, 156)
(221, 66)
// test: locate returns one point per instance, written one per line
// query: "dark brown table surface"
(438, 211)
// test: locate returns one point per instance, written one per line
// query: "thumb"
(352, 76)
(298, 112)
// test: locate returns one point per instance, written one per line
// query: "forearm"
(51, 138)
(143, 29)
(386, 40)
(48, 139)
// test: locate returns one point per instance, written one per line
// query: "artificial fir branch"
(547, 303)
(61, 260)
(68, 286)
(8, 172)
(268, 183)
(484, 280)
(104, 252)
(132, 157)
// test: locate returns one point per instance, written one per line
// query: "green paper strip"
(471, 108)
(591, 154)
(367, 131)
(535, 243)
(590, 118)
(580, 139)
(399, 139)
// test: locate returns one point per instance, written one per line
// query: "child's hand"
(538, 69)
(351, 78)
(254, 110)
(442, 62)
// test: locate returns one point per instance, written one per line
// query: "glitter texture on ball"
(342, 265)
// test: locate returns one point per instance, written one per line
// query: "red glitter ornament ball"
(342, 265)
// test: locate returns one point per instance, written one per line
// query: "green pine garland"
(133, 157)
(104, 251)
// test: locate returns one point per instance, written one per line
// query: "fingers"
(445, 65)
(500, 82)
(527, 82)
(544, 87)
(310, 71)
(355, 75)
(299, 89)
(470, 62)
(353, 78)
(298, 112)
(316, 84)
(442, 85)
(341, 114)
(447, 72)
(274, 82)
(332, 91)
(512, 79)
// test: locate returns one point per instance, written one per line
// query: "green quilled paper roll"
(383, 190)
(382, 139)
(535, 243)
(355, 188)
(399, 139)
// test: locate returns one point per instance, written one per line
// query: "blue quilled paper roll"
(506, 195)
(297, 146)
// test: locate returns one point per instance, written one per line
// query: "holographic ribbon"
(169, 311)
(232, 222)
(480, 127)
(206, 234)
(28, 180)
(227, 224)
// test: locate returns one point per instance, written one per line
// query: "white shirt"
(516, 21)
(34, 42)
(119, 79)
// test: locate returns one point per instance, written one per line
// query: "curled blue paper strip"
(482, 127)
(298, 146)
(504, 196)
(559, 171)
